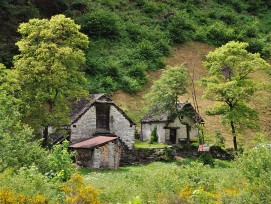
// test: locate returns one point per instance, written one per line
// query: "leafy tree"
(231, 85)
(17, 147)
(166, 90)
(49, 70)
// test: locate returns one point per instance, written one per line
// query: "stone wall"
(121, 127)
(104, 157)
(141, 156)
(146, 129)
(148, 155)
(85, 127)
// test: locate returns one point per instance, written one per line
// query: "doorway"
(172, 136)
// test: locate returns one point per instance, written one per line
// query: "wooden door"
(172, 136)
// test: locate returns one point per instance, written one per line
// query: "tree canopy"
(166, 90)
(231, 85)
(49, 69)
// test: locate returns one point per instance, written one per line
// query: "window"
(102, 118)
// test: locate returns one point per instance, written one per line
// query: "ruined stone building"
(99, 130)
(172, 128)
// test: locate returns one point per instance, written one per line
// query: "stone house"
(172, 128)
(99, 130)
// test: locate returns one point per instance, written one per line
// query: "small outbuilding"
(98, 132)
(172, 128)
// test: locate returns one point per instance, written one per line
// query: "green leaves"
(230, 83)
(48, 67)
(166, 90)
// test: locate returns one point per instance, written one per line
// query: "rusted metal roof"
(93, 142)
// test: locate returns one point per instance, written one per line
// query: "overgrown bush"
(60, 163)
(101, 23)
(27, 185)
(206, 158)
(78, 191)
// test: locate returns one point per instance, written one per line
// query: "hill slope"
(192, 54)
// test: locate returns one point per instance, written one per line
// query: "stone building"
(99, 130)
(172, 128)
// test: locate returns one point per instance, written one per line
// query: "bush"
(101, 23)
(27, 185)
(219, 34)
(180, 27)
(60, 163)
(153, 136)
(255, 165)
(206, 158)
(77, 191)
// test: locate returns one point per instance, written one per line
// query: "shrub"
(255, 165)
(206, 158)
(27, 185)
(77, 191)
(219, 34)
(180, 27)
(154, 136)
(101, 23)
(220, 140)
(60, 163)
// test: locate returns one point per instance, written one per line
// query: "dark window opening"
(102, 118)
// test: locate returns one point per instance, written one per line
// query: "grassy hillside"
(130, 38)
(192, 54)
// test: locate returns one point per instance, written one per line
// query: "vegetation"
(131, 37)
(48, 67)
(146, 144)
(166, 90)
(188, 181)
(230, 83)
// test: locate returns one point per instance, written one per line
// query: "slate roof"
(93, 142)
(83, 105)
(156, 115)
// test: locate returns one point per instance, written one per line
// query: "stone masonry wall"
(85, 127)
(146, 129)
(121, 127)
(140, 156)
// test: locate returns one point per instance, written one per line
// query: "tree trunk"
(234, 136)
(46, 136)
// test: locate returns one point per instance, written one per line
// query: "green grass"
(157, 182)
(146, 144)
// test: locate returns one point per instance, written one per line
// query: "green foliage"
(48, 67)
(27, 185)
(101, 23)
(78, 191)
(153, 136)
(255, 166)
(166, 90)
(142, 31)
(16, 140)
(180, 27)
(230, 84)
(206, 158)
(220, 140)
(60, 162)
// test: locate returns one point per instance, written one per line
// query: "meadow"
(186, 181)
